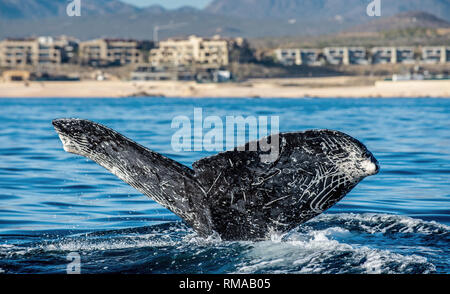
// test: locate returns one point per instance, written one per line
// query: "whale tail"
(166, 181)
(234, 193)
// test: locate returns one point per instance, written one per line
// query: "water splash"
(330, 243)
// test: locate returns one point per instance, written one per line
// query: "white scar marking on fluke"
(273, 201)
(348, 169)
(369, 166)
(215, 181)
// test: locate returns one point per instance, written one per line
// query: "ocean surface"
(53, 203)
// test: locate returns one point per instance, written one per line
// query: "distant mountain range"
(38, 9)
(247, 18)
(313, 9)
(402, 21)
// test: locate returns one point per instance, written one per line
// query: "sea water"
(53, 203)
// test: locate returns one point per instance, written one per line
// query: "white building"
(298, 56)
(345, 55)
(207, 53)
(394, 55)
(436, 54)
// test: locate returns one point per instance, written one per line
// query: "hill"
(314, 9)
(38, 9)
(140, 25)
(402, 21)
(246, 18)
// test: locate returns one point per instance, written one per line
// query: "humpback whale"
(234, 194)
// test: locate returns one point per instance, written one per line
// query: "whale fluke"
(169, 183)
(234, 193)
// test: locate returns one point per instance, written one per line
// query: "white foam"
(383, 223)
(312, 248)
(317, 251)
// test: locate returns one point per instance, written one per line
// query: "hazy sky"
(169, 3)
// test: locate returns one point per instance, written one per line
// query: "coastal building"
(288, 57)
(68, 47)
(394, 55)
(221, 76)
(146, 72)
(335, 55)
(15, 75)
(291, 57)
(345, 55)
(383, 55)
(194, 51)
(405, 55)
(447, 54)
(110, 52)
(357, 55)
(436, 54)
(310, 57)
(32, 51)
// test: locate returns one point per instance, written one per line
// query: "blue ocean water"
(53, 203)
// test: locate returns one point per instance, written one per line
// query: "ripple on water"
(331, 243)
(52, 201)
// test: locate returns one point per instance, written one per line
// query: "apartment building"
(357, 55)
(298, 56)
(382, 55)
(336, 56)
(405, 55)
(68, 47)
(345, 55)
(288, 57)
(206, 53)
(33, 51)
(436, 54)
(108, 52)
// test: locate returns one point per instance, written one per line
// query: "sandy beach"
(262, 88)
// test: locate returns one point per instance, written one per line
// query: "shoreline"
(330, 87)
